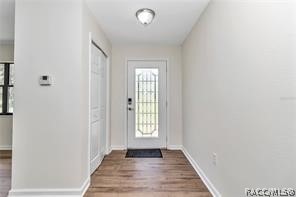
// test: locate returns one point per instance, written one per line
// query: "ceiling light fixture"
(145, 15)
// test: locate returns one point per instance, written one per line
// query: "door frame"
(92, 40)
(126, 97)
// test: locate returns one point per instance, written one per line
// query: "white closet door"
(98, 106)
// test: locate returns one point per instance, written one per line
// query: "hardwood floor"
(170, 176)
(5, 172)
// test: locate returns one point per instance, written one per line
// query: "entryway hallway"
(170, 176)
(211, 83)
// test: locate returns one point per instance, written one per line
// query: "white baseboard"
(5, 147)
(175, 147)
(85, 186)
(170, 147)
(75, 192)
(202, 175)
(118, 148)
(95, 163)
(109, 150)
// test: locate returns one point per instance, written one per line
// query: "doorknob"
(130, 109)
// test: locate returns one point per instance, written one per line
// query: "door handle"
(130, 109)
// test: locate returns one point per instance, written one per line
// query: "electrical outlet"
(214, 157)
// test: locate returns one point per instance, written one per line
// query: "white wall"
(6, 52)
(47, 128)
(50, 139)
(5, 132)
(47, 142)
(239, 96)
(6, 55)
(120, 54)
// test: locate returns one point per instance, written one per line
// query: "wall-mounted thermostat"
(45, 80)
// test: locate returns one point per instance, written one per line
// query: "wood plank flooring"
(5, 172)
(170, 176)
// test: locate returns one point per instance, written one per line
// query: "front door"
(146, 104)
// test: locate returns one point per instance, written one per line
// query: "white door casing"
(146, 104)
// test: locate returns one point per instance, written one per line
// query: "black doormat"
(143, 153)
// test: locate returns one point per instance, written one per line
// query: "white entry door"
(98, 108)
(146, 104)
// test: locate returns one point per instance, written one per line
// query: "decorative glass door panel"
(146, 102)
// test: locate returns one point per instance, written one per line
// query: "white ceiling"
(173, 22)
(6, 20)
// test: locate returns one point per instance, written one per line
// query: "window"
(6, 88)
(147, 102)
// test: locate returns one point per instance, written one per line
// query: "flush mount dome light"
(145, 16)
